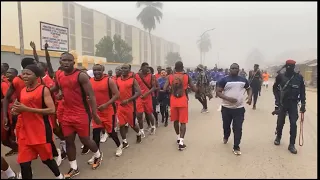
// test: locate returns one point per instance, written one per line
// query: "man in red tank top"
(129, 91)
(7, 135)
(106, 93)
(179, 105)
(75, 87)
(146, 82)
(34, 107)
(14, 90)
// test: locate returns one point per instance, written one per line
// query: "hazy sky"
(277, 29)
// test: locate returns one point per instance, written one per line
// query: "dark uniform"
(255, 79)
(288, 89)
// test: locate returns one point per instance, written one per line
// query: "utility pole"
(20, 31)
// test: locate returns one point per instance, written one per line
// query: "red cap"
(290, 61)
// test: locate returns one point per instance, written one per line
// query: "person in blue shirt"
(163, 98)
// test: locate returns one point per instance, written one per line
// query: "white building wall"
(77, 13)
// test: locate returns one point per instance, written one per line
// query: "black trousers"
(255, 93)
(203, 101)
(292, 109)
(236, 117)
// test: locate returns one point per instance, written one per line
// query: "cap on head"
(34, 68)
(290, 62)
(27, 61)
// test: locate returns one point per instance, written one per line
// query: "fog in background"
(278, 30)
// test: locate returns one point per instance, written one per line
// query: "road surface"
(206, 156)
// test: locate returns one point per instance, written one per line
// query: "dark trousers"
(154, 106)
(203, 101)
(236, 117)
(255, 93)
(292, 110)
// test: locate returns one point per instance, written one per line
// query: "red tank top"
(36, 127)
(75, 99)
(102, 92)
(147, 79)
(182, 101)
(126, 89)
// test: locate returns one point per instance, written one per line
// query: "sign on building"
(57, 37)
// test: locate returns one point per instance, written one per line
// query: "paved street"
(206, 156)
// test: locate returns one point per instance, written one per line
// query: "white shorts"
(265, 82)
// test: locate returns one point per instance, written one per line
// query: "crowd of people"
(40, 103)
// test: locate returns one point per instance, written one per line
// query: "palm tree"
(148, 16)
(204, 45)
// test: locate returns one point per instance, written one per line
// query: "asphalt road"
(206, 156)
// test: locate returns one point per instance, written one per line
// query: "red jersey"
(144, 83)
(75, 100)
(126, 90)
(18, 85)
(182, 101)
(36, 127)
(102, 92)
(5, 79)
(158, 75)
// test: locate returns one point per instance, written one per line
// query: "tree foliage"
(172, 58)
(148, 17)
(116, 50)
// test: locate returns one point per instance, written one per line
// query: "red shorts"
(107, 122)
(81, 127)
(179, 113)
(27, 153)
(144, 105)
(126, 115)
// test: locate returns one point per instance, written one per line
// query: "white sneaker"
(58, 159)
(104, 137)
(119, 151)
(142, 134)
(82, 146)
(91, 160)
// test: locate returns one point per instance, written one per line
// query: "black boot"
(292, 149)
(277, 141)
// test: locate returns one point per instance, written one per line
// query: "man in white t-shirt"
(231, 90)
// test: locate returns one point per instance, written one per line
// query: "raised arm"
(50, 69)
(33, 46)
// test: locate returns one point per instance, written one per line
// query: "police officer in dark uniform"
(288, 90)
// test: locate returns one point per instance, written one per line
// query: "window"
(72, 28)
(71, 11)
(87, 45)
(129, 41)
(117, 27)
(108, 24)
(87, 16)
(65, 9)
(87, 30)
(66, 22)
(72, 43)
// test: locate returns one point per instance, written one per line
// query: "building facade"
(86, 28)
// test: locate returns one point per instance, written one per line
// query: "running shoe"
(125, 145)
(119, 151)
(237, 151)
(97, 161)
(72, 173)
(104, 137)
(139, 138)
(85, 150)
(182, 147)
